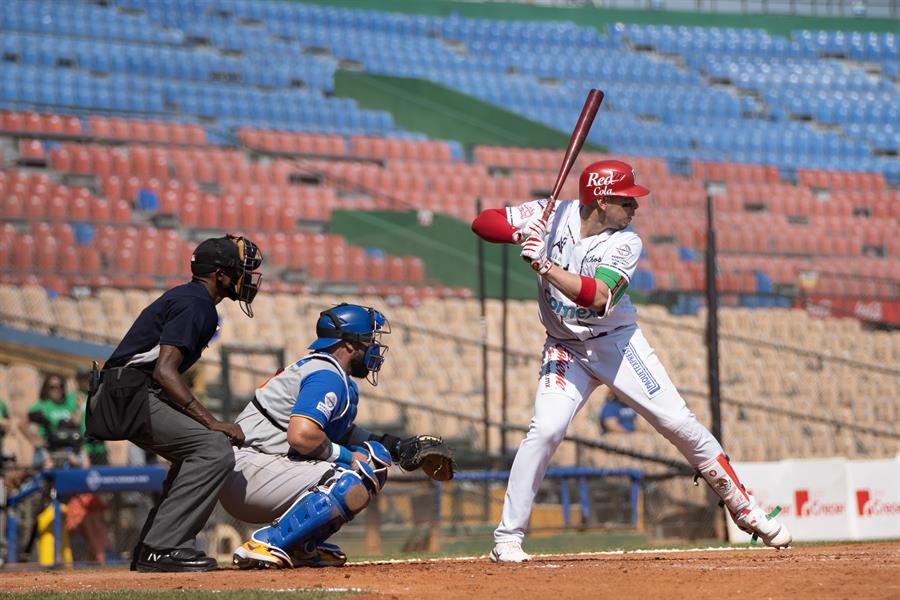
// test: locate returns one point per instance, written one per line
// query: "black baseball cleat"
(179, 560)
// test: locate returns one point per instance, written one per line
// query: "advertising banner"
(827, 499)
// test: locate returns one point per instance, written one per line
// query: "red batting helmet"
(608, 178)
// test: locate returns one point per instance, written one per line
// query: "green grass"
(254, 594)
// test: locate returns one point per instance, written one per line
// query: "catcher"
(305, 468)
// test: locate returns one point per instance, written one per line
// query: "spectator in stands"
(57, 415)
(616, 417)
(56, 419)
(143, 397)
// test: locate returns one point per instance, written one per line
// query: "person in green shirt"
(58, 422)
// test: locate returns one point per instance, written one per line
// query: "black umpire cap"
(215, 253)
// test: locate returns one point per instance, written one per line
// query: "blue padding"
(313, 517)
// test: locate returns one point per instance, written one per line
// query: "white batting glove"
(537, 227)
(534, 250)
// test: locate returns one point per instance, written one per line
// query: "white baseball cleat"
(756, 522)
(510, 552)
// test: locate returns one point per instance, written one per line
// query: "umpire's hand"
(232, 430)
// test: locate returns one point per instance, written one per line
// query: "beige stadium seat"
(24, 389)
(36, 302)
(68, 316)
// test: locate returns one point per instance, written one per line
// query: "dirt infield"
(855, 571)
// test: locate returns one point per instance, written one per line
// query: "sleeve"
(186, 324)
(617, 267)
(518, 216)
(321, 396)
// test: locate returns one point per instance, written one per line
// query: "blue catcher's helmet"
(354, 323)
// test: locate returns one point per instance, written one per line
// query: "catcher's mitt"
(429, 453)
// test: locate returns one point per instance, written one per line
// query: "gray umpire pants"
(201, 460)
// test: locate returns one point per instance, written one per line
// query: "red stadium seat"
(230, 219)
(249, 214)
(68, 259)
(168, 259)
(318, 269)
(32, 150)
(46, 253)
(11, 121)
(276, 252)
(415, 269)
(196, 135)
(22, 258)
(35, 207)
(120, 211)
(99, 127)
(64, 234)
(208, 214)
(139, 130)
(32, 122)
(377, 269)
(100, 210)
(147, 257)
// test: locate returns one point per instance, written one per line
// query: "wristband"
(588, 291)
(340, 454)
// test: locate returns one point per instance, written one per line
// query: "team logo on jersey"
(559, 244)
(327, 404)
(624, 250)
(643, 373)
(568, 311)
(526, 210)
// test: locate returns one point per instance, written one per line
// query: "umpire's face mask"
(244, 282)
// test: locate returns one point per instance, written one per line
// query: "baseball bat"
(582, 127)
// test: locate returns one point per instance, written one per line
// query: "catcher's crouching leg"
(297, 537)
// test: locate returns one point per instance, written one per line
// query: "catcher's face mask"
(244, 282)
(361, 325)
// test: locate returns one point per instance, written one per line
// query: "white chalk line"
(396, 561)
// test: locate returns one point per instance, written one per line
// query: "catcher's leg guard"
(721, 477)
(310, 520)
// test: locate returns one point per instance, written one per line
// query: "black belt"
(593, 337)
(606, 333)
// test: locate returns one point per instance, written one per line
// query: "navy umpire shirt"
(184, 316)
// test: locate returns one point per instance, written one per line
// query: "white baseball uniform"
(585, 349)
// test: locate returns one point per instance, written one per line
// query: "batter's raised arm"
(511, 225)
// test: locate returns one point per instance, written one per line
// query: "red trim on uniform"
(726, 466)
(491, 225)
(588, 291)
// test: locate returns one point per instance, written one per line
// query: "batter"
(585, 255)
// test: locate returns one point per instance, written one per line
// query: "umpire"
(140, 395)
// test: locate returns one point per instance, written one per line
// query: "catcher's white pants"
(624, 361)
(262, 486)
